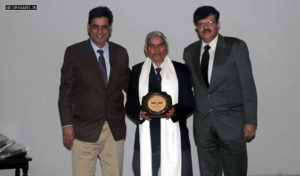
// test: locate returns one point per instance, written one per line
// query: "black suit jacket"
(183, 108)
(84, 100)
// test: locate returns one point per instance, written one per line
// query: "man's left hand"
(249, 132)
(170, 113)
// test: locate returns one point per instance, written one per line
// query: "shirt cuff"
(66, 126)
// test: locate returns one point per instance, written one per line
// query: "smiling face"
(99, 31)
(156, 50)
(207, 28)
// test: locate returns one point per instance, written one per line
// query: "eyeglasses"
(209, 23)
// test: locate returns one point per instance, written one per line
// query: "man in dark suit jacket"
(156, 49)
(93, 75)
(226, 102)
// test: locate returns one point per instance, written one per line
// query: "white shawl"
(170, 153)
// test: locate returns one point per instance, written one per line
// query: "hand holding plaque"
(157, 104)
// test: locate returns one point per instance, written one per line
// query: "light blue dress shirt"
(105, 54)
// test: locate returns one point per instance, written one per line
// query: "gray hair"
(156, 34)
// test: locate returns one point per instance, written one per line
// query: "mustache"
(206, 30)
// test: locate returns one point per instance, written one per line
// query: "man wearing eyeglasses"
(225, 116)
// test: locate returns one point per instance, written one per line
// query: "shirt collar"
(161, 65)
(96, 48)
(212, 44)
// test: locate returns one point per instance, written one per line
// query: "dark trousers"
(186, 163)
(220, 149)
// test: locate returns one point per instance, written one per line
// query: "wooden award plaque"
(156, 104)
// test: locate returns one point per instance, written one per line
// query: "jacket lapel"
(113, 61)
(92, 61)
(221, 54)
(196, 62)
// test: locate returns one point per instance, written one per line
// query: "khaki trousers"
(109, 152)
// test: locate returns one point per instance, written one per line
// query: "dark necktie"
(155, 122)
(204, 64)
(102, 66)
(158, 76)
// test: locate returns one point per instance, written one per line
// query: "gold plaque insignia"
(156, 104)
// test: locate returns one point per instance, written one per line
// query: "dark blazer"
(84, 100)
(183, 108)
(231, 97)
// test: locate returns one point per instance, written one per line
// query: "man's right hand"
(144, 115)
(68, 136)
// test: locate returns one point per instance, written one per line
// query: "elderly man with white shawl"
(160, 143)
